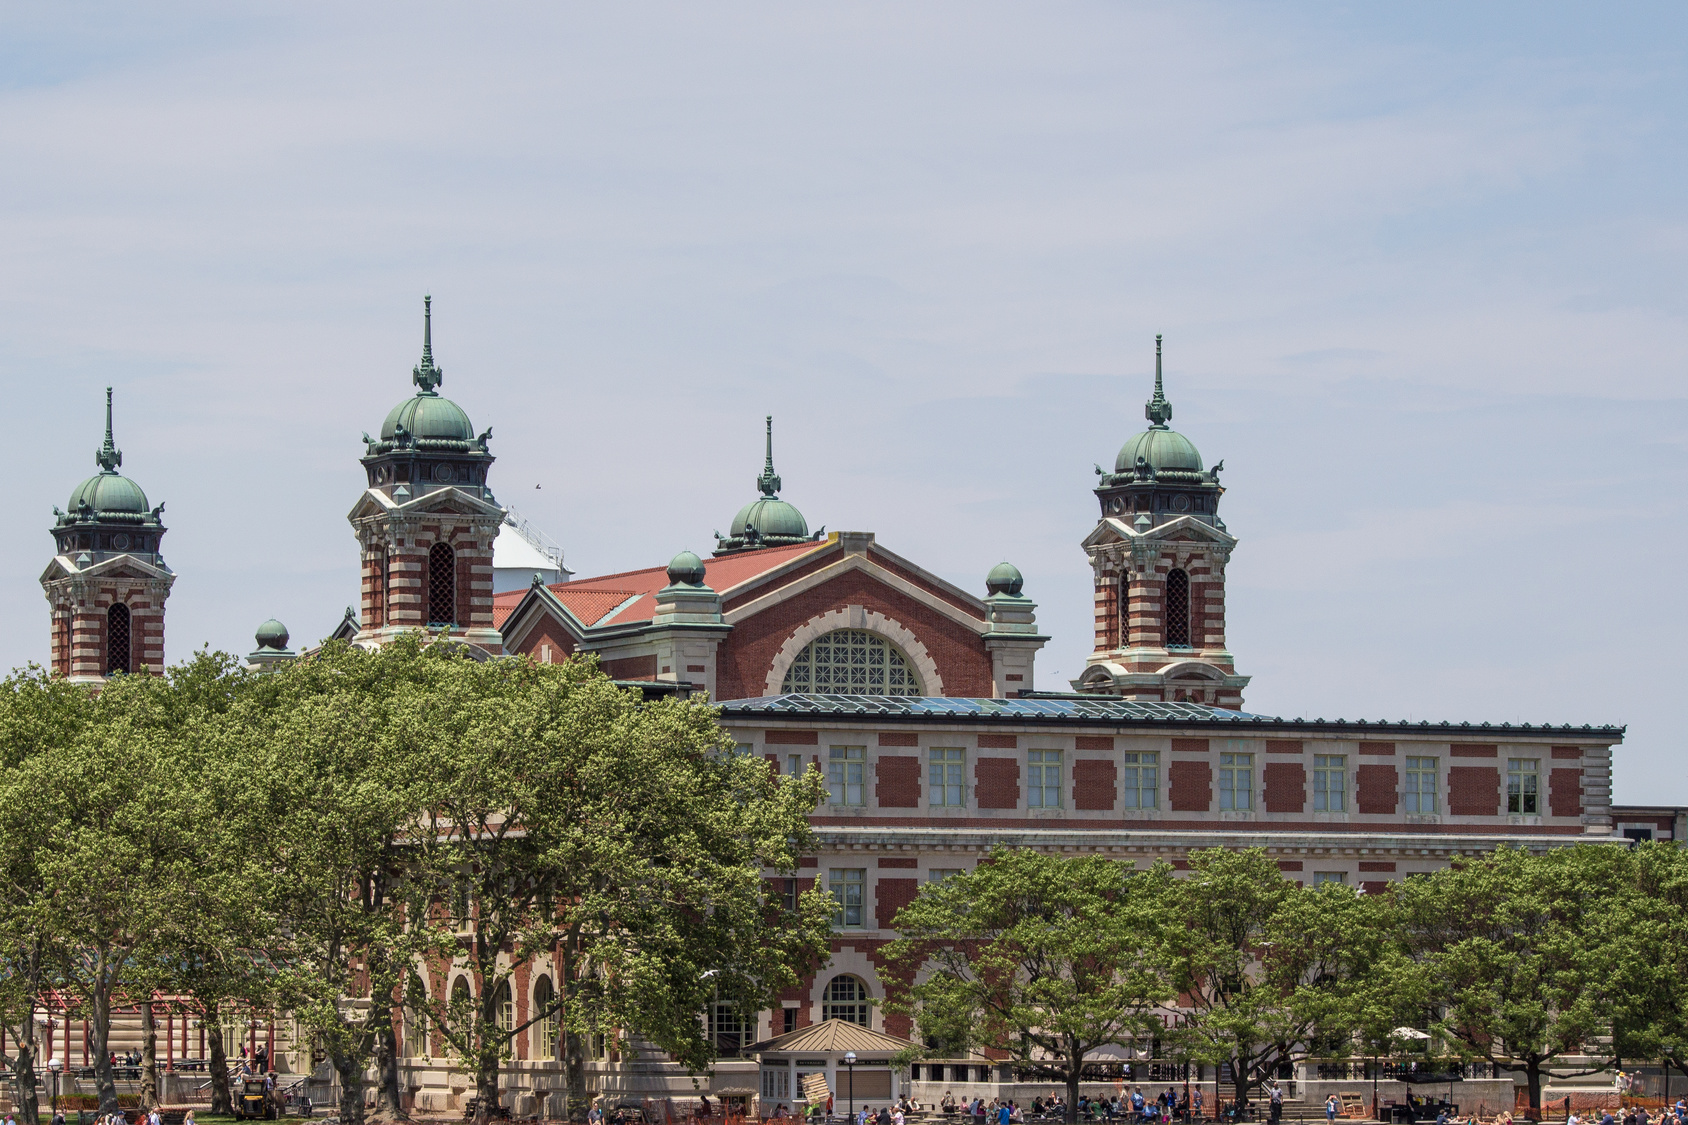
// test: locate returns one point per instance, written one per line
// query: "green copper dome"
(272, 634)
(769, 521)
(685, 569)
(1162, 448)
(109, 492)
(1005, 578)
(428, 416)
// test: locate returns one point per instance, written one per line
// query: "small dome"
(685, 569)
(428, 416)
(1005, 578)
(272, 634)
(109, 492)
(1163, 449)
(772, 518)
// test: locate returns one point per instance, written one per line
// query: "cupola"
(768, 521)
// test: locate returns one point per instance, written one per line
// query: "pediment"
(117, 567)
(449, 501)
(537, 605)
(1184, 529)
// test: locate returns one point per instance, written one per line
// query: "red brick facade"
(898, 782)
(891, 896)
(1377, 788)
(1191, 786)
(1095, 784)
(997, 783)
(1473, 790)
(1564, 792)
(1286, 785)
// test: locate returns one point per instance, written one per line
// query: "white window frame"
(946, 777)
(848, 886)
(1041, 766)
(1422, 775)
(1523, 786)
(939, 874)
(1140, 787)
(1330, 783)
(846, 776)
(1235, 768)
(1322, 877)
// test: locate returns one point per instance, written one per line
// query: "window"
(1330, 772)
(1320, 878)
(117, 640)
(788, 1020)
(794, 765)
(846, 999)
(460, 999)
(1176, 612)
(1420, 795)
(727, 1030)
(1521, 785)
(1236, 781)
(846, 884)
(776, 1080)
(844, 769)
(544, 1010)
(788, 894)
(1043, 779)
(442, 585)
(416, 1030)
(939, 874)
(505, 1008)
(851, 662)
(1142, 780)
(947, 788)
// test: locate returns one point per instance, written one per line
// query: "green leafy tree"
(1266, 971)
(1043, 956)
(1515, 952)
(625, 838)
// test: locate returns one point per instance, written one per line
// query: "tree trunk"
(23, 1071)
(1075, 1071)
(104, 1081)
(218, 1063)
(576, 1101)
(350, 1071)
(149, 1056)
(1239, 1085)
(387, 1068)
(1532, 1071)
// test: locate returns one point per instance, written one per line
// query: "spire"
(109, 456)
(769, 481)
(1157, 410)
(425, 374)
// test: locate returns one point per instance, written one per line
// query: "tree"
(564, 815)
(1514, 950)
(1265, 970)
(1043, 956)
(1650, 964)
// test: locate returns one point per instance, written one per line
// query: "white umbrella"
(1408, 1033)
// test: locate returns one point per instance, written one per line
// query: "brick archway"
(855, 617)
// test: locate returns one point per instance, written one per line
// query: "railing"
(1412, 1071)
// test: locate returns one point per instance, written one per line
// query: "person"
(1332, 1105)
(884, 1117)
(188, 1120)
(1196, 1104)
(897, 1116)
(1137, 1104)
(1278, 1104)
(1037, 1105)
(1003, 1114)
(594, 1116)
(948, 1102)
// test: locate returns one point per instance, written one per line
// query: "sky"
(1420, 271)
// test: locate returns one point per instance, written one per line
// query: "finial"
(1157, 410)
(426, 375)
(769, 481)
(109, 456)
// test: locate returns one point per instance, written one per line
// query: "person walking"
(1332, 1105)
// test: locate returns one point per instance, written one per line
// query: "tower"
(768, 521)
(1159, 553)
(107, 583)
(426, 520)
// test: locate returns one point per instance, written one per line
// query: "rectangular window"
(945, 787)
(939, 874)
(844, 770)
(1521, 785)
(1321, 877)
(1330, 772)
(1420, 795)
(1142, 781)
(846, 885)
(1043, 779)
(794, 765)
(727, 1030)
(788, 894)
(788, 1022)
(1236, 781)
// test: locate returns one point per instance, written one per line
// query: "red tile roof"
(595, 600)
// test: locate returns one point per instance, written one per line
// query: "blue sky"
(1420, 270)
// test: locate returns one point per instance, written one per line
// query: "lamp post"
(56, 1066)
(850, 1065)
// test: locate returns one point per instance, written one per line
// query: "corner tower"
(1159, 553)
(426, 520)
(107, 583)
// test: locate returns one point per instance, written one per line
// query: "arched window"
(460, 997)
(378, 587)
(846, 999)
(1176, 611)
(442, 585)
(117, 639)
(504, 1008)
(1123, 640)
(416, 1029)
(545, 1031)
(851, 662)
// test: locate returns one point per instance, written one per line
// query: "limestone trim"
(844, 565)
(856, 617)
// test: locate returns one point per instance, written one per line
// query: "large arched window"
(1176, 612)
(416, 1029)
(504, 1008)
(442, 585)
(117, 640)
(846, 999)
(544, 1010)
(851, 662)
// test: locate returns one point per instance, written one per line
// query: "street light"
(56, 1065)
(850, 1064)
